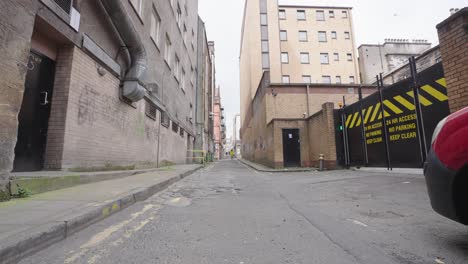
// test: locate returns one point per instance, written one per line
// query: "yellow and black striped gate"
(386, 129)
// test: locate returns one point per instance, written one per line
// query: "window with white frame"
(301, 15)
(346, 35)
(334, 35)
(264, 32)
(285, 78)
(306, 79)
(138, 5)
(185, 34)
(282, 14)
(283, 35)
(326, 79)
(336, 56)
(302, 35)
(168, 50)
(338, 79)
(305, 58)
(344, 14)
(351, 79)
(322, 36)
(155, 26)
(284, 57)
(324, 58)
(182, 80)
(320, 14)
(331, 14)
(349, 56)
(179, 15)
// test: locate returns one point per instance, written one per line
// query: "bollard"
(321, 162)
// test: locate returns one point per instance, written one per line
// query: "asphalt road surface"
(229, 213)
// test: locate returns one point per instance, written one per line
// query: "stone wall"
(453, 38)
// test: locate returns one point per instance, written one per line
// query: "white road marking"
(356, 222)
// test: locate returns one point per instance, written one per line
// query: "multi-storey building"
(96, 83)
(293, 59)
(384, 58)
(219, 125)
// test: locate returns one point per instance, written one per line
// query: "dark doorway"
(34, 114)
(291, 148)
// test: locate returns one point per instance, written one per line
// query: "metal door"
(34, 114)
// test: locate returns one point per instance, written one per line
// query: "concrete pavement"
(31, 224)
(230, 213)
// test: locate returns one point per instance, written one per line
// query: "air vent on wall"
(64, 4)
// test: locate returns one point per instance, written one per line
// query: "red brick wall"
(453, 38)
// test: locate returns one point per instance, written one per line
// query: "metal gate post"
(345, 135)
(384, 120)
(419, 115)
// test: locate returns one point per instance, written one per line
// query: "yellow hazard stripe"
(392, 107)
(442, 82)
(436, 94)
(358, 121)
(354, 120)
(348, 120)
(423, 100)
(404, 102)
(386, 115)
(369, 111)
(376, 110)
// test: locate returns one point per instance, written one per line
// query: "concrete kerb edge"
(273, 170)
(18, 250)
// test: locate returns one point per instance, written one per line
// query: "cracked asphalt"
(229, 213)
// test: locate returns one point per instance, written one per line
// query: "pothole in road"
(179, 202)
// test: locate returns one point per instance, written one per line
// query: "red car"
(446, 169)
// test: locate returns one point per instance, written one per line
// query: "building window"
(138, 5)
(346, 35)
(185, 34)
(283, 35)
(176, 67)
(182, 80)
(155, 26)
(302, 35)
(179, 15)
(168, 50)
(349, 56)
(175, 127)
(306, 79)
(301, 15)
(331, 14)
(326, 79)
(338, 79)
(324, 58)
(284, 57)
(333, 35)
(320, 15)
(322, 36)
(265, 60)
(351, 79)
(150, 109)
(263, 19)
(265, 47)
(282, 14)
(285, 79)
(336, 56)
(344, 14)
(305, 58)
(264, 32)
(165, 122)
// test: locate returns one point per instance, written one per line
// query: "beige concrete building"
(293, 59)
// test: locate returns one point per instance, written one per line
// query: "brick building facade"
(453, 38)
(121, 84)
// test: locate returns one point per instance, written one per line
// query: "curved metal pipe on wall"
(132, 89)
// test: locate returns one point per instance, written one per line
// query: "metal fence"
(393, 127)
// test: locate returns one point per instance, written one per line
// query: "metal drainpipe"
(133, 88)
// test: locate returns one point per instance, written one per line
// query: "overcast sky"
(374, 20)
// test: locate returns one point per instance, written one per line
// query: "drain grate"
(65, 5)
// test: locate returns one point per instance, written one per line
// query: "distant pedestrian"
(231, 153)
